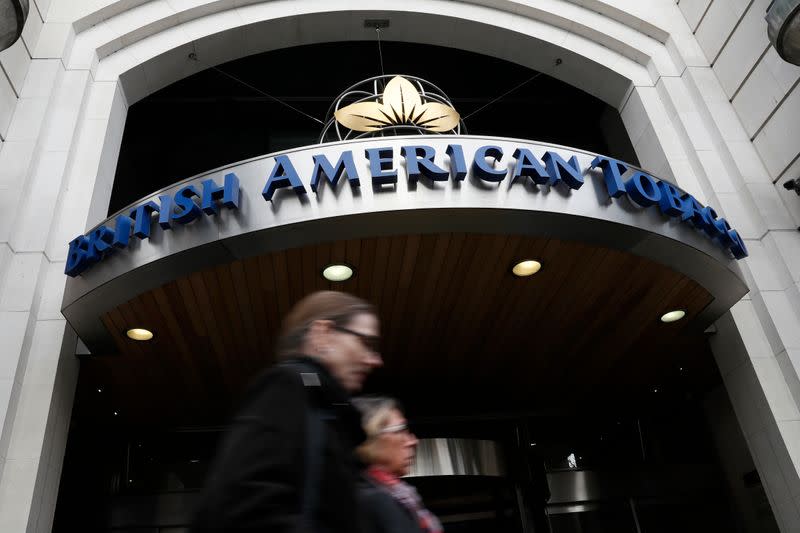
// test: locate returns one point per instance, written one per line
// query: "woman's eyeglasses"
(370, 342)
(394, 430)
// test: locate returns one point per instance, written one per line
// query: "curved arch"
(134, 48)
(151, 49)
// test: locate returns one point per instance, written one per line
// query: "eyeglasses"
(370, 342)
(395, 429)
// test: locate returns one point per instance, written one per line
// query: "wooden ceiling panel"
(452, 313)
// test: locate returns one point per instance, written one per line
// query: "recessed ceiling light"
(673, 316)
(139, 334)
(527, 267)
(337, 272)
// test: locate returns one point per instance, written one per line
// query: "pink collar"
(382, 476)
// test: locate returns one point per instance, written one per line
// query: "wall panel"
(779, 140)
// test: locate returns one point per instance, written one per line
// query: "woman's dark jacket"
(257, 480)
(379, 512)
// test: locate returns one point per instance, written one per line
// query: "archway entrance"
(570, 372)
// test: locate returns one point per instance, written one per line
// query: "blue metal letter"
(709, 219)
(188, 210)
(324, 169)
(380, 166)
(528, 166)
(77, 256)
(572, 175)
(141, 215)
(643, 189)
(723, 229)
(482, 169)
(458, 165)
(164, 214)
(422, 156)
(229, 193)
(738, 249)
(282, 175)
(122, 231)
(101, 242)
(692, 209)
(612, 172)
(670, 202)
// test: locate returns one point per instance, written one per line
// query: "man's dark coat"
(257, 480)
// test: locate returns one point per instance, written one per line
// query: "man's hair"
(338, 307)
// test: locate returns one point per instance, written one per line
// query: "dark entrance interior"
(601, 410)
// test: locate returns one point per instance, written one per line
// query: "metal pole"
(641, 438)
(635, 515)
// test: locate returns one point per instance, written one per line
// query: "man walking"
(287, 463)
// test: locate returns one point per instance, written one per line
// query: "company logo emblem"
(400, 104)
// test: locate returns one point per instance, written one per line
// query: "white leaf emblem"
(400, 104)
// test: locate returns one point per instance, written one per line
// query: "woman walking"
(387, 504)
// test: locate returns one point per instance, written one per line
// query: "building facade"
(706, 104)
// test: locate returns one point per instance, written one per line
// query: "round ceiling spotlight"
(527, 267)
(673, 316)
(139, 334)
(337, 272)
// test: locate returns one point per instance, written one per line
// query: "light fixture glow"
(139, 334)
(673, 316)
(337, 272)
(528, 267)
(571, 461)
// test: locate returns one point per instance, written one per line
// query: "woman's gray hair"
(375, 412)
